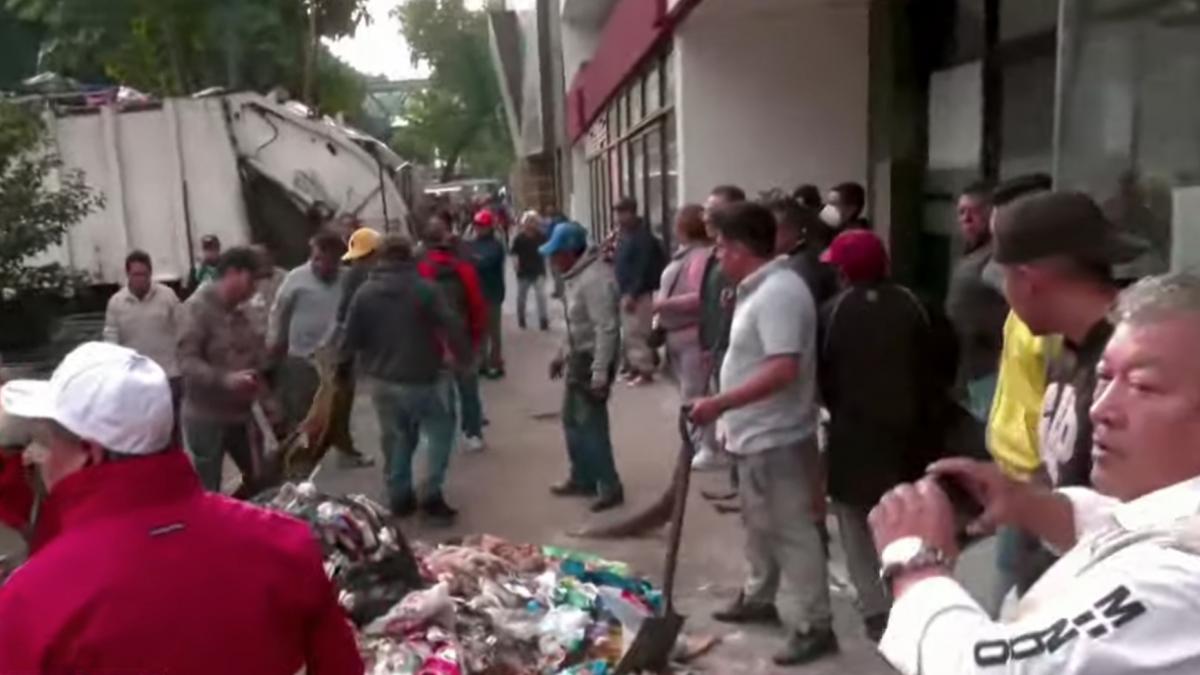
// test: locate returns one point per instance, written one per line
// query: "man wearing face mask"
(844, 208)
(133, 566)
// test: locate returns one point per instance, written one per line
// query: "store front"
(631, 151)
(1129, 133)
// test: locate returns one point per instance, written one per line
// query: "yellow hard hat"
(362, 243)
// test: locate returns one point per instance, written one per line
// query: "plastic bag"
(443, 662)
(562, 630)
(589, 668)
(518, 624)
(416, 608)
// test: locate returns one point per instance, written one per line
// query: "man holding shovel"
(767, 412)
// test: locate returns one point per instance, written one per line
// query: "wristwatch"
(908, 554)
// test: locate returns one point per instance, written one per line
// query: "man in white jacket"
(1125, 596)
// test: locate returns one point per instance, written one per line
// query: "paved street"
(503, 491)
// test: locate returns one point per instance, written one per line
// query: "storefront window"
(636, 111)
(1128, 132)
(653, 88)
(631, 157)
(655, 205)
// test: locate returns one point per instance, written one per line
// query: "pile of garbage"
(482, 605)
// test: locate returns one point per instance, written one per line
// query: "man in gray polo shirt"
(767, 413)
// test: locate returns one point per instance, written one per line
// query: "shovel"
(655, 640)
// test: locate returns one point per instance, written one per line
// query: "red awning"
(633, 29)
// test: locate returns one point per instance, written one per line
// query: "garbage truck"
(242, 166)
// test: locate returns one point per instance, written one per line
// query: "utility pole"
(310, 60)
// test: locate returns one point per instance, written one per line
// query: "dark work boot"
(545, 325)
(742, 611)
(610, 498)
(438, 511)
(569, 488)
(403, 506)
(807, 647)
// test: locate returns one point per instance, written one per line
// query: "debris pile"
(482, 605)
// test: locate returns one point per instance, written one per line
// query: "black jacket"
(397, 325)
(877, 377)
(978, 311)
(821, 278)
(638, 262)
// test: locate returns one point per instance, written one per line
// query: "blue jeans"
(589, 447)
(407, 412)
(467, 385)
(524, 286)
(980, 392)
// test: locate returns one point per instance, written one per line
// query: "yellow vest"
(1012, 432)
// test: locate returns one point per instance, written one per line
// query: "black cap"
(1061, 224)
(626, 205)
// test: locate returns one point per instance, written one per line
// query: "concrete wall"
(772, 95)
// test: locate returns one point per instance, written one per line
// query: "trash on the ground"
(480, 606)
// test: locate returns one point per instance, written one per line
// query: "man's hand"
(599, 390)
(705, 411)
(556, 368)
(244, 383)
(997, 493)
(921, 510)
(628, 304)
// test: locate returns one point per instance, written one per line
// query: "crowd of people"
(1027, 395)
(1045, 401)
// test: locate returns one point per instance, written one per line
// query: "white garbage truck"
(243, 167)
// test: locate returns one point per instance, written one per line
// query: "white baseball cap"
(103, 393)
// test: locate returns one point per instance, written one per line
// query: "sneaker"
(875, 627)
(641, 381)
(741, 611)
(403, 507)
(807, 647)
(436, 509)
(473, 444)
(708, 459)
(569, 488)
(609, 499)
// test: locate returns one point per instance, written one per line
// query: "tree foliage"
(458, 121)
(176, 47)
(34, 217)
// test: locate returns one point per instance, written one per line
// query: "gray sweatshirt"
(593, 314)
(305, 311)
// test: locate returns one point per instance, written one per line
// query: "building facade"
(662, 100)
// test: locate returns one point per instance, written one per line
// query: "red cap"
(859, 254)
(484, 218)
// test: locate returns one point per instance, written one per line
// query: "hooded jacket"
(135, 568)
(399, 325)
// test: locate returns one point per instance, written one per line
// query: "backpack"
(446, 276)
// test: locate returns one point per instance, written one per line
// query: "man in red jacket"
(459, 280)
(133, 566)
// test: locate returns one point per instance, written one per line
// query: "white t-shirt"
(774, 316)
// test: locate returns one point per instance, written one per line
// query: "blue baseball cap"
(568, 236)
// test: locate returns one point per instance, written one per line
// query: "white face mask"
(831, 216)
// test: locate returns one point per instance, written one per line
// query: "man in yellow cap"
(361, 254)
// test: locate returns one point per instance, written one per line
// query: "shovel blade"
(651, 649)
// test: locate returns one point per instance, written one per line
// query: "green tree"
(176, 47)
(34, 217)
(458, 120)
